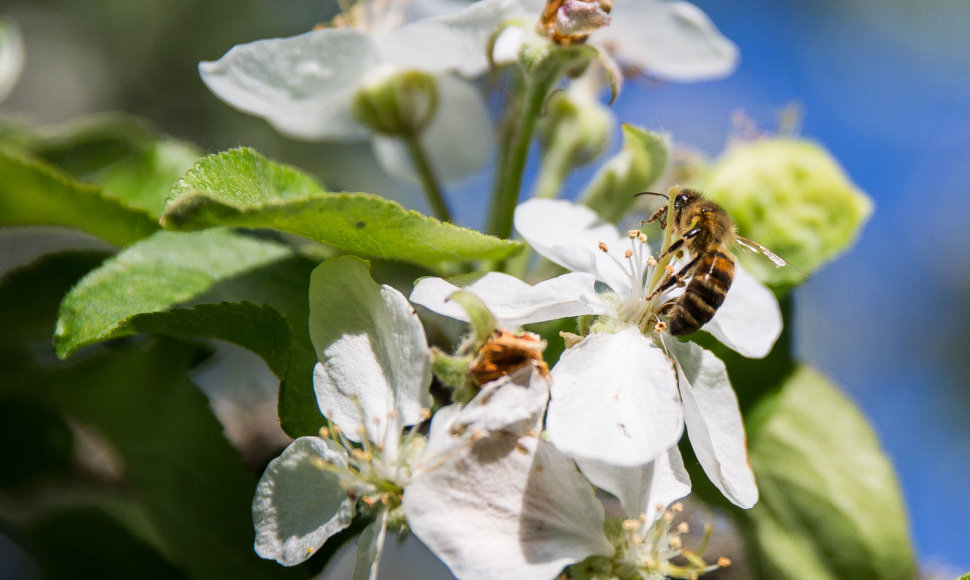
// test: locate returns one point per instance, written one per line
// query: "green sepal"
(480, 319)
(634, 169)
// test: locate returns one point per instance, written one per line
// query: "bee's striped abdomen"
(704, 293)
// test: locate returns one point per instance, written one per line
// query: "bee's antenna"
(663, 195)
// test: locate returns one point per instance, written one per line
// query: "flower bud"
(576, 126)
(399, 103)
(572, 21)
(792, 197)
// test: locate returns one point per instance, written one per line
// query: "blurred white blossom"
(11, 56)
(305, 85)
(669, 40)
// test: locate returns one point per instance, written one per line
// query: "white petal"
(714, 423)
(570, 235)
(508, 44)
(514, 404)
(451, 42)
(298, 505)
(644, 489)
(458, 141)
(614, 399)
(671, 40)
(372, 350)
(11, 56)
(512, 301)
(302, 85)
(506, 508)
(749, 321)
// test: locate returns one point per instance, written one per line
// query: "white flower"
(673, 41)
(622, 396)
(371, 382)
(304, 85)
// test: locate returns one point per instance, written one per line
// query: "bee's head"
(685, 198)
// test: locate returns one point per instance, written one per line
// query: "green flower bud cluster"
(792, 197)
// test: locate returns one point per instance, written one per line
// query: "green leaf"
(635, 168)
(215, 283)
(242, 188)
(122, 154)
(165, 271)
(145, 177)
(86, 542)
(35, 194)
(830, 504)
(192, 483)
(47, 450)
(29, 295)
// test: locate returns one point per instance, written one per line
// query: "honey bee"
(706, 231)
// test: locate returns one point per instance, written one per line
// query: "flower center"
(646, 276)
(649, 546)
(375, 473)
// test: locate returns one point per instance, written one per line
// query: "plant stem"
(508, 182)
(429, 181)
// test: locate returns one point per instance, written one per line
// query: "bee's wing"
(757, 248)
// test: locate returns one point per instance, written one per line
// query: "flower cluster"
(482, 481)
(522, 471)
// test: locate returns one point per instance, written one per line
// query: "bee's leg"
(672, 280)
(676, 246)
(660, 215)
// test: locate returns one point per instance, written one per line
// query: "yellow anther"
(628, 253)
(603, 248)
(723, 562)
(683, 528)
